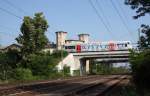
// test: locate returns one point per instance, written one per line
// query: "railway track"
(83, 86)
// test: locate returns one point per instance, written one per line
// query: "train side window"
(69, 47)
(106, 46)
(65, 47)
(125, 45)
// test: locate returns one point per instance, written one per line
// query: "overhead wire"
(103, 13)
(7, 28)
(122, 10)
(100, 18)
(4, 35)
(8, 12)
(20, 10)
(12, 14)
(10, 35)
(122, 19)
(14, 6)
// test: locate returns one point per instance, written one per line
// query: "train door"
(111, 46)
(78, 48)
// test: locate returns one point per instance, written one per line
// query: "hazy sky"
(72, 16)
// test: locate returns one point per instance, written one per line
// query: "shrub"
(22, 74)
(8, 62)
(57, 54)
(66, 70)
(76, 72)
(41, 65)
(140, 64)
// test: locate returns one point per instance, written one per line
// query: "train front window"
(69, 47)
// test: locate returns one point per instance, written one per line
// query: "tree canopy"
(142, 7)
(144, 42)
(140, 61)
(32, 37)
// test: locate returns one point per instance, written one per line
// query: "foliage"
(22, 74)
(142, 7)
(144, 42)
(76, 72)
(140, 64)
(31, 62)
(41, 65)
(32, 37)
(104, 68)
(58, 53)
(66, 70)
(8, 61)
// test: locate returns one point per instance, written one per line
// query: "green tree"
(140, 65)
(32, 37)
(8, 62)
(142, 7)
(41, 65)
(144, 42)
(140, 61)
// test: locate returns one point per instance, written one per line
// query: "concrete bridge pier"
(87, 66)
(84, 66)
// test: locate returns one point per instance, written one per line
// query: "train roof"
(71, 44)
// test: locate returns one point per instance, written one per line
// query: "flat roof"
(83, 34)
(60, 32)
(72, 40)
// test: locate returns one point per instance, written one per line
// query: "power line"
(121, 18)
(14, 6)
(6, 11)
(99, 16)
(8, 28)
(6, 34)
(19, 9)
(103, 13)
(123, 11)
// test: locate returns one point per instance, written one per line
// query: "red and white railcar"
(99, 46)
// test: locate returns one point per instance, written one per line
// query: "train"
(98, 46)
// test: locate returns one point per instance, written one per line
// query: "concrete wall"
(60, 39)
(71, 62)
(84, 37)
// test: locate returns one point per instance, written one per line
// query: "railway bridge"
(82, 51)
(81, 61)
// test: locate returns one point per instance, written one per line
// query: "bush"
(8, 62)
(106, 68)
(57, 54)
(76, 72)
(66, 71)
(22, 74)
(140, 64)
(41, 65)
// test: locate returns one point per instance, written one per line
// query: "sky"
(74, 17)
